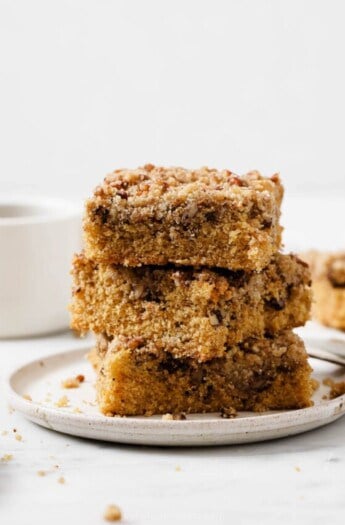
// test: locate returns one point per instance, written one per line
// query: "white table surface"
(293, 480)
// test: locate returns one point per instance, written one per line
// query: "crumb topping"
(27, 397)
(151, 182)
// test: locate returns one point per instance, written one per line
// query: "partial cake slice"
(137, 378)
(328, 274)
(187, 311)
(154, 215)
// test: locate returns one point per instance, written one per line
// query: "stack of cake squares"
(192, 303)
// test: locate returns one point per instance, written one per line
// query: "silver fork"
(315, 348)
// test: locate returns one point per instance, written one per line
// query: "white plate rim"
(289, 421)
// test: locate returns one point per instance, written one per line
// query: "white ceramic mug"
(38, 237)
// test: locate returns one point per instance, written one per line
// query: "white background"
(89, 86)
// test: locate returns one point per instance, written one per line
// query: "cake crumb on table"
(6, 457)
(62, 402)
(112, 513)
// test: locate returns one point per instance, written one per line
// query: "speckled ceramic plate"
(41, 380)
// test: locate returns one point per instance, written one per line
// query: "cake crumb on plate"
(336, 388)
(73, 382)
(62, 402)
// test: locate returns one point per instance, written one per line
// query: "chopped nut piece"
(62, 402)
(112, 513)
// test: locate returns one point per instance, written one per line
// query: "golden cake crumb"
(18, 437)
(178, 468)
(174, 417)
(228, 413)
(7, 457)
(41, 473)
(62, 402)
(73, 382)
(336, 388)
(61, 480)
(298, 469)
(112, 513)
(27, 397)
